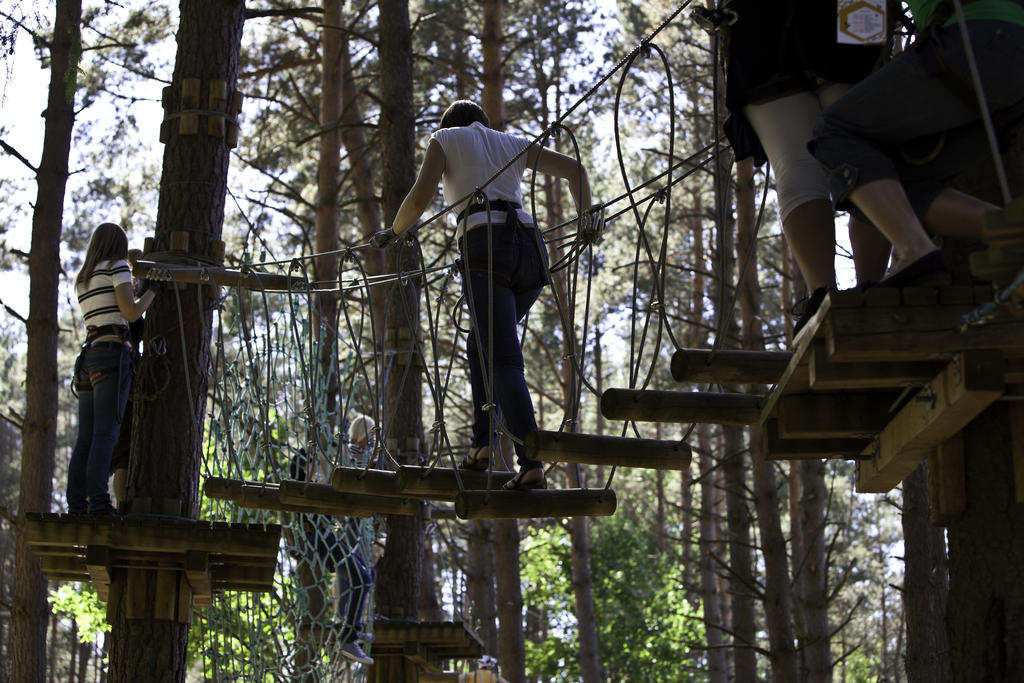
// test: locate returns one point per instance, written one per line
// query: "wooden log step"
(532, 504)
(591, 449)
(968, 385)
(681, 407)
(359, 480)
(262, 496)
(440, 483)
(323, 497)
(728, 366)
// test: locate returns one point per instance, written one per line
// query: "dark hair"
(463, 113)
(108, 242)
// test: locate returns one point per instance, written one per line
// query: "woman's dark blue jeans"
(103, 378)
(499, 292)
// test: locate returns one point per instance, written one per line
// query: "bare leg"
(810, 231)
(886, 205)
(955, 214)
(870, 251)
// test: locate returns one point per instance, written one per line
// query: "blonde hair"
(359, 430)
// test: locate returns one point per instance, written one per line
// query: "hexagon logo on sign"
(861, 22)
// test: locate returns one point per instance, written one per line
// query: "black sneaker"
(929, 270)
(809, 307)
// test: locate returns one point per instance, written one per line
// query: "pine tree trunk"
(168, 431)
(480, 574)
(491, 40)
(710, 597)
(430, 605)
(400, 568)
(925, 585)
(811, 595)
(741, 561)
(777, 597)
(30, 611)
(512, 645)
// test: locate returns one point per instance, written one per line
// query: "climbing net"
(283, 393)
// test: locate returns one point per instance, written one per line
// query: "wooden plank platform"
(204, 557)
(681, 407)
(607, 450)
(436, 641)
(884, 377)
(727, 366)
(532, 504)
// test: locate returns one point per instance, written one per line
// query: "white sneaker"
(352, 651)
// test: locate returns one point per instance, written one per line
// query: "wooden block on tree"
(197, 571)
(680, 407)
(968, 384)
(833, 416)
(828, 376)
(614, 451)
(947, 489)
(97, 563)
(729, 366)
(165, 593)
(777, 448)
(530, 504)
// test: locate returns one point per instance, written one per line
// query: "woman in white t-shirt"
(504, 271)
(103, 371)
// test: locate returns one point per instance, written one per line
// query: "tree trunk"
(741, 561)
(491, 41)
(811, 594)
(430, 605)
(512, 645)
(925, 585)
(169, 430)
(710, 597)
(400, 568)
(777, 597)
(30, 611)
(480, 576)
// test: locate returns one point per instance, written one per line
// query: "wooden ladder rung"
(729, 366)
(322, 497)
(440, 483)
(593, 449)
(359, 480)
(531, 504)
(651, 405)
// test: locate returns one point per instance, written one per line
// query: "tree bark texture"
(925, 585)
(710, 597)
(741, 561)
(810, 578)
(985, 614)
(480, 575)
(777, 596)
(399, 570)
(491, 41)
(30, 611)
(512, 644)
(169, 429)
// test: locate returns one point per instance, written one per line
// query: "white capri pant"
(784, 127)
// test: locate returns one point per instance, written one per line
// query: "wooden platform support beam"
(826, 375)
(947, 485)
(680, 407)
(834, 416)
(532, 504)
(778, 448)
(440, 483)
(968, 384)
(592, 449)
(728, 366)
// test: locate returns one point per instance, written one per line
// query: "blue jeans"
(917, 119)
(499, 293)
(103, 378)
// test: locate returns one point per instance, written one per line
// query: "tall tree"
(400, 568)
(170, 430)
(39, 431)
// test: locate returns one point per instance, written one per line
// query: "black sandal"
(516, 483)
(473, 460)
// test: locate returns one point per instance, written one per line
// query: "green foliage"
(80, 603)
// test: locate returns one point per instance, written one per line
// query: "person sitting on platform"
(503, 256)
(784, 66)
(104, 368)
(892, 141)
